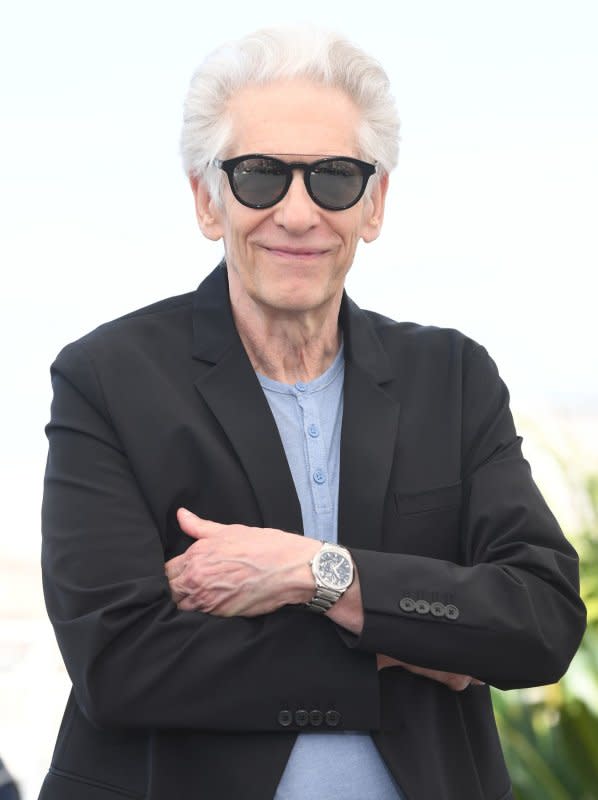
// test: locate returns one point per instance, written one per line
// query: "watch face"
(334, 569)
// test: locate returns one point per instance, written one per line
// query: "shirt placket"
(315, 450)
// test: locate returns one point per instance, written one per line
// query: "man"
(194, 441)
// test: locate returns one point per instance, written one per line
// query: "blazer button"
(437, 609)
(285, 717)
(422, 607)
(332, 718)
(301, 717)
(451, 612)
(407, 604)
(316, 717)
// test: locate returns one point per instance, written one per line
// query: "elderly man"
(193, 442)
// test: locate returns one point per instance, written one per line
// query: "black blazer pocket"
(428, 500)
(427, 523)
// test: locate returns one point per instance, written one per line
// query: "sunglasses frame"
(288, 167)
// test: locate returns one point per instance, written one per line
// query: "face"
(291, 258)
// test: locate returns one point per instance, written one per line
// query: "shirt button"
(451, 612)
(422, 607)
(300, 386)
(313, 431)
(319, 476)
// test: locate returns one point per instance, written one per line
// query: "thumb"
(193, 525)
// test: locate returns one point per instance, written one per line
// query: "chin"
(310, 291)
(299, 299)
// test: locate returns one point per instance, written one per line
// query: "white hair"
(272, 54)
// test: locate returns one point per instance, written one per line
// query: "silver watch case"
(333, 571)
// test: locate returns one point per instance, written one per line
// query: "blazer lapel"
(235, 397)
(369, 432)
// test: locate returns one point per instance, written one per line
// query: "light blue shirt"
(344, 765)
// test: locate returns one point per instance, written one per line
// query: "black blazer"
(462, 565)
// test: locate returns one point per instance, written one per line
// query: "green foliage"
(550, 733)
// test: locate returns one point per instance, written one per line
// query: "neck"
(288, 346)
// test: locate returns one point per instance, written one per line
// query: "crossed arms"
(235, 570)
(136, 659)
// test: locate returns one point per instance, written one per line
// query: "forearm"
(512, 628)
(233, 570)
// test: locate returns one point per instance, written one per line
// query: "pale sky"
(491, 220)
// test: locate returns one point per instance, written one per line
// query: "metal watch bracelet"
(323, 599)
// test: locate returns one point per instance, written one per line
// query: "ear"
(373, 210)
(209, 216)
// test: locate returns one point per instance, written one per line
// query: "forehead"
(293, 117)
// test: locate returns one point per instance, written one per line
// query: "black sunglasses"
(259, 181)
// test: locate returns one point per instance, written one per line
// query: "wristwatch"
(333, 571)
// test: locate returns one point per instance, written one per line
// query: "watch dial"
(334, 570)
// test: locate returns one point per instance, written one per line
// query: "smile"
(295, 253)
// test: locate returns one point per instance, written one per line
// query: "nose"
(297, 212)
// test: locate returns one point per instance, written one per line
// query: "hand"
(235, 570)
(453, 680)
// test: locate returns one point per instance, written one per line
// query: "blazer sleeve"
(516, 617)
(134, 659)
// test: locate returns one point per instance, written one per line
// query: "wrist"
(348, 612)
(302, 584)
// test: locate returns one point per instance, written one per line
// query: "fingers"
(190, 603)
(198, 528)
(177, 589)
(384, 661)
(458, 682)
(175, 566)
(454, 681)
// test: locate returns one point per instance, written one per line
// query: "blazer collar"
(235, 397)
(214, 331)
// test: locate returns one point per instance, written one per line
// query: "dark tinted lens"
(259, 181)
(336, 183)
